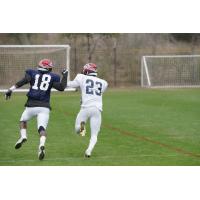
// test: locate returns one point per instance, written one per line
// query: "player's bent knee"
(41, 130)
(23, 124)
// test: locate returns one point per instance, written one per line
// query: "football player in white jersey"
(92, 89)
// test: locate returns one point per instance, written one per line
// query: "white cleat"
(82, 129)
(20, 142)
(41, 152)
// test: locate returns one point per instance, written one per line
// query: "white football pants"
(41, 113)
(94, 115)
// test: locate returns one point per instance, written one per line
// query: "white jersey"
(92, 89)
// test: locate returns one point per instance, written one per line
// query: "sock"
(23, 133)
(42, 140)
(92, 143)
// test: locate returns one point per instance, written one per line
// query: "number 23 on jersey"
(93, 87)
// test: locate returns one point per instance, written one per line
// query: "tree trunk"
(23, 38)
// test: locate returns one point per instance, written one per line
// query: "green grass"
(140, 127)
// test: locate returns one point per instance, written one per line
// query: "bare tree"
(92, 40)
(24, 38)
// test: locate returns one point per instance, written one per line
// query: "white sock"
(92, 143)
(23, 133)
(42, 140)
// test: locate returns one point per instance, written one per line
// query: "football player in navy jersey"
(38, 103)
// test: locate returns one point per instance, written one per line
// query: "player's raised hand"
(8, 94)
(65, 71)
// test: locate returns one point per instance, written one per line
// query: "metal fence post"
(115, 65)
(75, 63)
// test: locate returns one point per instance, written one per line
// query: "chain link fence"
(119, 67)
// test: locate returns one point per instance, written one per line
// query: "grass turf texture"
(140, 127)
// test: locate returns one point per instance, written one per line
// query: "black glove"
(8, 94)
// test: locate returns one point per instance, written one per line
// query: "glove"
(65, 71)
(8, 94)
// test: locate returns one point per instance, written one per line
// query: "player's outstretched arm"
(62, 85)
(76, 82)
(20, 83)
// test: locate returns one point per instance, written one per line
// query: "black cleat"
(87, 155)
(20, 142)
(41, 153)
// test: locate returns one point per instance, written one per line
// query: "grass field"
(140, 127)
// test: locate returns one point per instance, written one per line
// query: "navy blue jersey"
(40, 85)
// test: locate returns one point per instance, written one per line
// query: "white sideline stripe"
(171, 56)
(11, 46)
(172, 86)
(78, 158)
(26, 90)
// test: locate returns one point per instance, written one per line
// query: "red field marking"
(68, 113)
(143, 138)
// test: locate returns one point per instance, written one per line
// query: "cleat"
(82, 129)
(87, 154)
(20, 142)
(41, 152)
